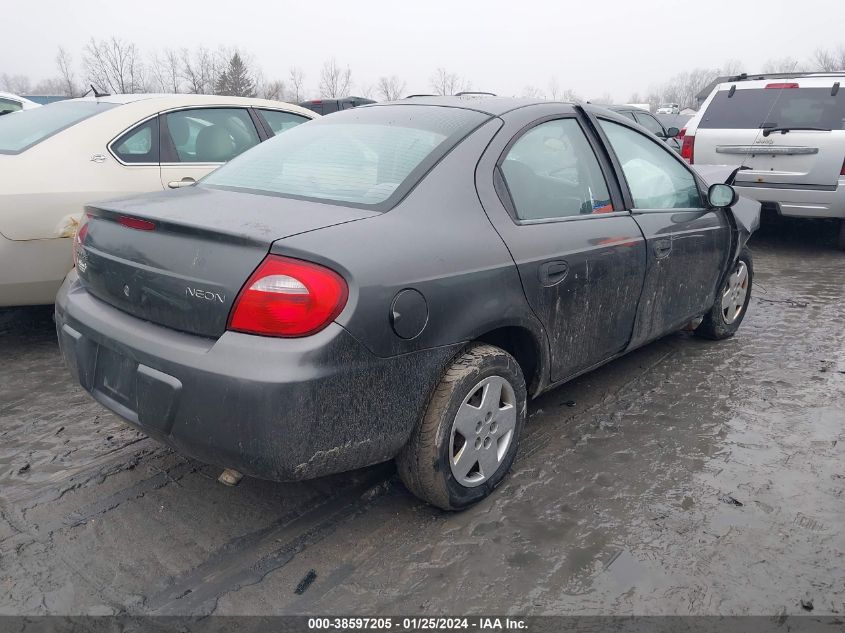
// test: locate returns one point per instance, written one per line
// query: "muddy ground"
(689, 477)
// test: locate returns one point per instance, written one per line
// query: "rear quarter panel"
(438, 241)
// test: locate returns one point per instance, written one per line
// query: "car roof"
(809, 80)
(491, 105)
(168, 101)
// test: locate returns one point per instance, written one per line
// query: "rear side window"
(280, 121)
(656, 179)
(9, 105)
(650, 123)
(776, 107)
(29, 127)
(552, 172)
(140, 144)
(210, 135)
(361, 156)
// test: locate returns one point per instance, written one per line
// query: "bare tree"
(297, 84)
(390, 88)
(445, 83)
(51, 87)
(335, 81)
(782, 65)
(19, 84)
(570, 95)
(115, 65)
(554, 89)
(828, 60)
(731, 68)
(64, 62)
(200, 70)
(532, 92)
(274, 90)
(166, 72)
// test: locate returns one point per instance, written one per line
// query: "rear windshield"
(30, 127)
(776, 107)
(361, 157)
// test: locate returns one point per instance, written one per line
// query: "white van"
(789, 132)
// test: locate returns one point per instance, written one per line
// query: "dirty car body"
(448, 221)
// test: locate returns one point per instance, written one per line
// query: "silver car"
(788, 133)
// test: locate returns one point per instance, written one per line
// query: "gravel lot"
(689, 477)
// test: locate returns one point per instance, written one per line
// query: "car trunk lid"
(733, 130)
(179, 259)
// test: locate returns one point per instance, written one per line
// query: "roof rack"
(791, 75)
(420, 95)
(466, 93)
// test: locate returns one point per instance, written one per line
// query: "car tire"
(727, 313)
(433, 462)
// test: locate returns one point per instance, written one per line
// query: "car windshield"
(776, 107)
(29, 127)
(361, 157)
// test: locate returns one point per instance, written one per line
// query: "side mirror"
(722, 196)
(672, 132)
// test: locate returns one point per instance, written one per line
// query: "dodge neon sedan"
(394, 282)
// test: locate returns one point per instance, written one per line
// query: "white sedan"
(57, 158)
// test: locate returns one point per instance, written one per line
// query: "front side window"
(210, 135)
(280, 121)
(140, 144)
(360, 156)
(656, 179)
(29, 127)
(552, 172)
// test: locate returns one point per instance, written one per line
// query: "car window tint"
(657, 180)
(30, 127)
(552, 172)
(280, 121)
(9, 105)
(753, 108)
(211, 135)
(140, 144)
(650, 123)
(360, 156)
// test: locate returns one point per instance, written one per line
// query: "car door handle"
(552, 273)
(185, 182)
(662, 247)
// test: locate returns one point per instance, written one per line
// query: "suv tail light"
(842, 173)
(288, 298)
(79, 238)
(687, 146)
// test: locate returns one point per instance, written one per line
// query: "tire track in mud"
(247, 559)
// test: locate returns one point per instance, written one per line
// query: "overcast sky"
(591, 46)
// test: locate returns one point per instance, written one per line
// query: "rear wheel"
(468, 437)
(728, 311)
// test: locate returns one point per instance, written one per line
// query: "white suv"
(788, 133)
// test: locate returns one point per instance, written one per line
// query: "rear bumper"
(800, 202)
(279, 409)
(31, 271)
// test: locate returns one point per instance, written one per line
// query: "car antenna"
(834, 89)
(96, 92)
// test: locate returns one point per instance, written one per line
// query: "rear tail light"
(288, 298)
(136, 223)
(688, 147)
(79, 238)
(842, 173)
(782, 85)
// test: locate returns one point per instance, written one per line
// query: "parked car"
(789, 135)
(13, 103)
(395, 281)
(651, 123)
(56, 158)
(668, 108)
(327, 106)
